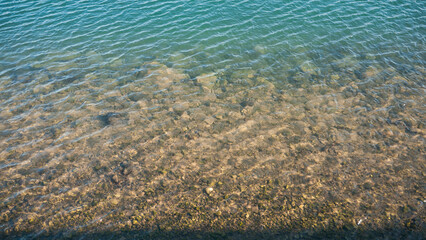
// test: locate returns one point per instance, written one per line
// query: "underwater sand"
(192, 121)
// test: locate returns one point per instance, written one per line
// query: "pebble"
(207, 81)
(209, 120)
(115, 179)
(208, 190)
(260, 49)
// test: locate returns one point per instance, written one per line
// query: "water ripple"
(179, 89)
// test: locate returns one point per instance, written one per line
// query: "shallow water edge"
(212, 119)
(323, 153)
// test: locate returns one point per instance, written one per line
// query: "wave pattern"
(200, 114)
(31, 30)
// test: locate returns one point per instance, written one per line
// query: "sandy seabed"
(226, 154)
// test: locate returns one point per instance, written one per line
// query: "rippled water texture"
(212, 119)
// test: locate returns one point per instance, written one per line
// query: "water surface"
(302, 118)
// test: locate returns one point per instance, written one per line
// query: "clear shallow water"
(301, 116)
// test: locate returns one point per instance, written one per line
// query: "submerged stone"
(115, 179)
(260, 49)
(309, 67)
(243, 74)
(163, 76)
(116, 63)
(208, 190)
(207, 80)
(61, 66)
(94, 57)
(371, 72)
(265, 82)
(334, 77)
(177, 57)
(349, 62)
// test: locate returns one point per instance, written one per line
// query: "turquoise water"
(164, 117)
(215, 33)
